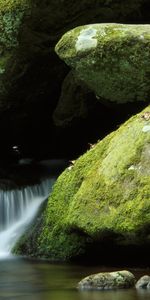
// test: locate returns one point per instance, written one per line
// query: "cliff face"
(103, 195)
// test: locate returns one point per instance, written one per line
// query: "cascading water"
(17, 209)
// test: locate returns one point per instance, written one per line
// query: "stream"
(26, 279)
(18, 208)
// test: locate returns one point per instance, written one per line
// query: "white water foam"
(17, 209)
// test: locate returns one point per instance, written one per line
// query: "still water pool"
(40, 280)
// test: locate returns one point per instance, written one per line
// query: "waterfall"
(17, 209)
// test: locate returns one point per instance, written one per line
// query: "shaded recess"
(31, 75)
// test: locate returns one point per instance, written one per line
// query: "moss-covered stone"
(29, 29)
(113, 59)
(31, 74)
(105, 193)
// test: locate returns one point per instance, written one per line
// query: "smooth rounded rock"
(113, 59)
(143, 282)
(108, 281)
(30, 29)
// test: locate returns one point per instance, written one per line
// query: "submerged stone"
(108, 281)
(113, 59)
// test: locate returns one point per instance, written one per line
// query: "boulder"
(29, 29)
(108, 281)
(102, 197)
(73, 101)
(143, 282)
(31, 74)
(112, 59)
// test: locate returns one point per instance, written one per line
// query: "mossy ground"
(105, 192)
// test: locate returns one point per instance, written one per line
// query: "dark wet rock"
(73, 101)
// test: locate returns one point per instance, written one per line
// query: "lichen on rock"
(86, 40)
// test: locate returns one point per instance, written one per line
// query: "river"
(26, 279)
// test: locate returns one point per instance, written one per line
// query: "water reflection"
(109, 295)
(143, 294)
(18, 279)
(33, 280)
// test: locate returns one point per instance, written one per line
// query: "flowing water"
(26, 279)
(40, 280)
(17, 209)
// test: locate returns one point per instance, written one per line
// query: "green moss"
(29, 29)
(11, 15)
(10, 4)
(117, 68)
(106, 191)
(3, 62)
(101, 192)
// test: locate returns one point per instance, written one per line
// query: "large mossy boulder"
(113, 59)
(29, 29)
(104, 195)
